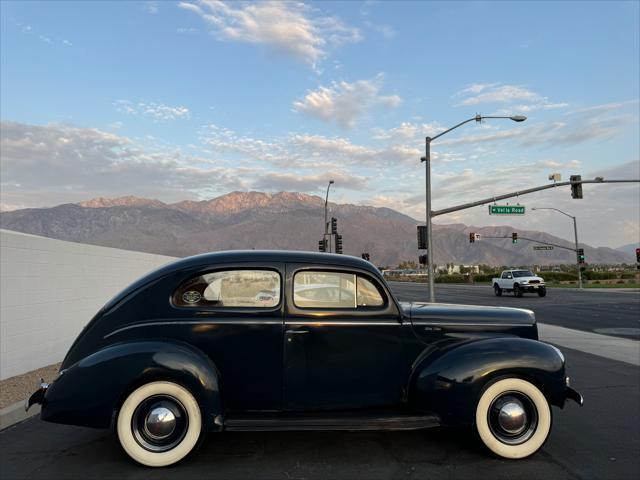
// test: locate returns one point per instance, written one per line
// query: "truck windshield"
(522, 273)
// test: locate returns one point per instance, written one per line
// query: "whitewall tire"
(513, 418)
(159, 424)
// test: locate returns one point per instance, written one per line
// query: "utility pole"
(575, 234)
(429, 214)
(326, 203)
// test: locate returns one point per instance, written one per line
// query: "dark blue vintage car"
(266, 340)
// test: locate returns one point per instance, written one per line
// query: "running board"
(300, 422)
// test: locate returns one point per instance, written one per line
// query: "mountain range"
(285, 220)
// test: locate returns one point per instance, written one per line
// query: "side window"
(230, 288)
(367, 294)
(314, 289)
(505, 275)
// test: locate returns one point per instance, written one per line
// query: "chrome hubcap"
(512, 417)
(160, 423)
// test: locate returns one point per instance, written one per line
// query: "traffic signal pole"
(575, 232)
(519, 193)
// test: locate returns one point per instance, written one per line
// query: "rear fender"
(449, 381)
(89, 392)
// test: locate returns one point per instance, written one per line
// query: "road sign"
(542, 247)
(506, 209)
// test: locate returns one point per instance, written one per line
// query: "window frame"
(376, 283)
(230, 309)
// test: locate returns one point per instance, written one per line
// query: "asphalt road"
(598, 441)
(604, 311)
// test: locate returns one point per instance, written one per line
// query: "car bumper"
(37, 397)
(574, 395)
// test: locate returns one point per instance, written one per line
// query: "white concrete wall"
(49, 289)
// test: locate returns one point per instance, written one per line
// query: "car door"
(342, 341)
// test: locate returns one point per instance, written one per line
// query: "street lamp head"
(331, 182)
(518, 118)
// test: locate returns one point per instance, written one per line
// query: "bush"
(485, 277)
(450, 279)
(589, 275)
(558, 276)
(620, 281)
(628, 275)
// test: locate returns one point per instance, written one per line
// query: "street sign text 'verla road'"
(542, 247)
(506, 209)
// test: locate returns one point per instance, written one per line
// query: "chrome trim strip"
(471, 324)
(193, 322)
(338, 322)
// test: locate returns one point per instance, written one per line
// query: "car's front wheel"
(542, 291)
(497, 290)
(159, 423)
(513, 418)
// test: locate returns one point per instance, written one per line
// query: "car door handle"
(296, 331)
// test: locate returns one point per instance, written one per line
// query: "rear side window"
(315, 289)
(230, 288)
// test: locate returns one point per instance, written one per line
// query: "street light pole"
(429, 213)
(575, 234)
(326, 202)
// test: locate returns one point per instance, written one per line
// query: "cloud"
(151, 7)
(159, 111)
(57, 163)
(296, 182)
(45, 164)
(293, 28)
(344, 102)
(520, 99)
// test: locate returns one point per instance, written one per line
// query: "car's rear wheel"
(542, 291)
(497, 290)
(517, 291)
(159, 423)
(513, 418)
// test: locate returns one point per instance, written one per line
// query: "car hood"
(453, 314)
(528, 279)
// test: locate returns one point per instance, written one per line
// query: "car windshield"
(522, 273)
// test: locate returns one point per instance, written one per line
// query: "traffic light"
(514, 237)
(322, 245)
(422, 259)
(422, 237)
(334, 225)
(638, 255)
(580, 253)
(365, 256)
(576, 188)
(472, 237)
(338, 243)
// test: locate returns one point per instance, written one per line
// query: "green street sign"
(506, 209)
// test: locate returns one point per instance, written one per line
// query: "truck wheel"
(513, 418)
(159, 424)
(497, 290)
(517, 291)
(542, 291)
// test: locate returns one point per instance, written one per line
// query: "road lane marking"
(614, 348)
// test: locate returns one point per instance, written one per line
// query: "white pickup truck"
(518, 282)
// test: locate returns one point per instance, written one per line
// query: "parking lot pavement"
(597, 441)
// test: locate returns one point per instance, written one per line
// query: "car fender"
(449, 381)
(89, 392)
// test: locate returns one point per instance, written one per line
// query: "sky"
(178, 100)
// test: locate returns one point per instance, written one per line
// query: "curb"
(15, 414)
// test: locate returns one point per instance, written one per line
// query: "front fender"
(90, 391)
(449, 381)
